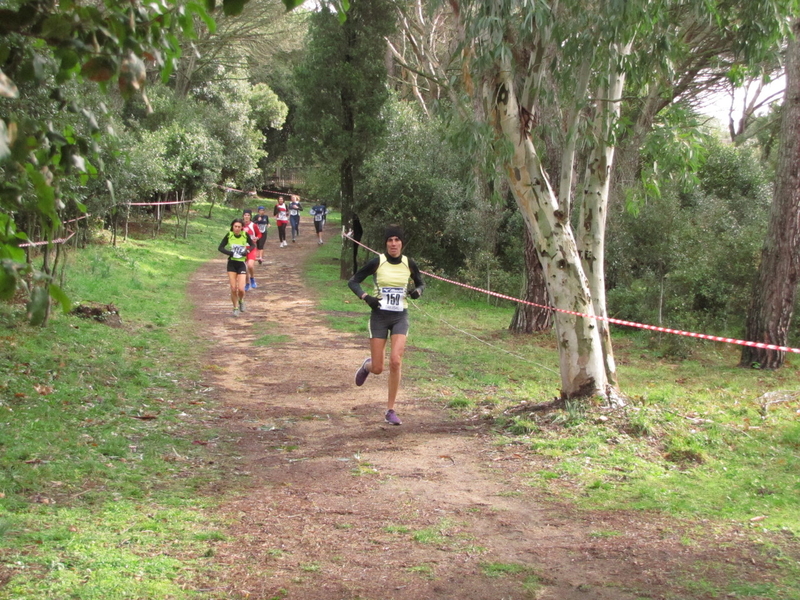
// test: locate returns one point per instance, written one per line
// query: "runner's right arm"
(222, 245)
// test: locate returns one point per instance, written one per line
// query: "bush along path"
(330, 502)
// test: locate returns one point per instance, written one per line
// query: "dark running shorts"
(237, 266)
(318, 226)
(261, 241)
(381, 322)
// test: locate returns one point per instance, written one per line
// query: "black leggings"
(282, 231)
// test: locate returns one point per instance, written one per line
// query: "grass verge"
(700, 440)
(101, 465)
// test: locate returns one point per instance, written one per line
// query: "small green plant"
(423, 570)
(364, 468)
(497, 569)
(396, 529)
(287, 448)
(434, 535)
(532, 584)
(459, 402)
(604, 533)
(574, 413)
(684, 450)
(272, 340)
(521, 426)
(312, 567)
(599, 484)
(210, 536)
(640, 425)
(6, 528)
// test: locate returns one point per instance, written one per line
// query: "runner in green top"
(236, 245)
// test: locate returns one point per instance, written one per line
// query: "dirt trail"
(339, 505)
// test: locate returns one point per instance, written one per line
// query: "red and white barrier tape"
(57, 241)
(691, 334)
(277, 192)
(159, 203)
(230, 189)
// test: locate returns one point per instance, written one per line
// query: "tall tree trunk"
(347, 167)
(594, 207)
(527, 318)
(580, 349)
(186, 222)
(347, 186)
(775, 290)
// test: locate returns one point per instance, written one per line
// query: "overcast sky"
(719, 105)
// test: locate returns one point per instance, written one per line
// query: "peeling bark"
(580, 348)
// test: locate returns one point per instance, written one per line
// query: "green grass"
(502, 569)
(98, 469)
(272, 340)
(425, 570)
(101, 497)
(696, 441)
(438, 534)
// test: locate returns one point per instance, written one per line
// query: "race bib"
(392, 298)
(294, 213)
(318, 217)
(262, 227)
(238, 251)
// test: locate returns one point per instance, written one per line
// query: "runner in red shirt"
(281, 214)
(253, 231)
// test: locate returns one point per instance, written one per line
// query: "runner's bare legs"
(377, 350)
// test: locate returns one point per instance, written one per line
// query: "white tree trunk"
(580, 350)
(594, 208)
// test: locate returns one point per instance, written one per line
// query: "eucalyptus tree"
(424, 63)
(712, 51)
(514, 58)
(342, 87)
(552, 75)
(775, 290)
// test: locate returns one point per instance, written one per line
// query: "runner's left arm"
(416, 277)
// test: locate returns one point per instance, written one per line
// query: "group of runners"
(396, 277)
(244, 243)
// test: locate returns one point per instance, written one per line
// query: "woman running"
(262, 222)
(294, 216)
(281, 214)
(318, 212)
(254, 232)
(392, 270)
(236, 245)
